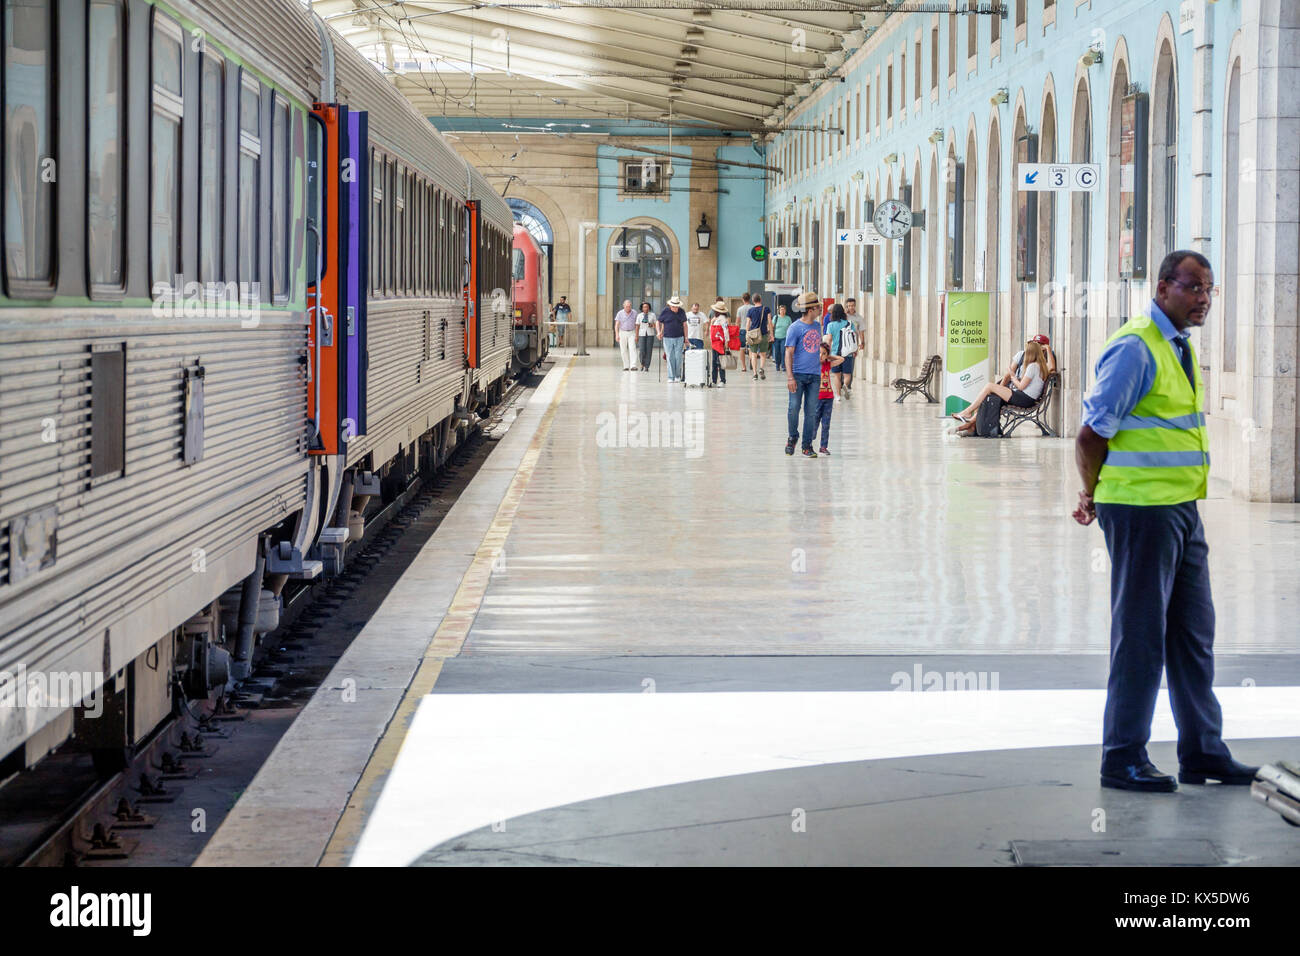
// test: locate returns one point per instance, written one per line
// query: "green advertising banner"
(966, 348)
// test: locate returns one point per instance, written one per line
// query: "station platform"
(644, 635)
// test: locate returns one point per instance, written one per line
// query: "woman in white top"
(1023, 387)
(695, 323)
(645, 331)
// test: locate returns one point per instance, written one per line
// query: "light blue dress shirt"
(1125, 373)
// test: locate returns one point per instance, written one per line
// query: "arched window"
(1164, 156)
(1081, 230)
(1227, 315)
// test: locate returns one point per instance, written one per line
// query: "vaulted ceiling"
(736, 65)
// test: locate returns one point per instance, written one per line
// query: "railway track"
(186, 776)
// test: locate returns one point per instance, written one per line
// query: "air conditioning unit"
(644, 176)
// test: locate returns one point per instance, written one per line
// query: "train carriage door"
(338, 180)
(470, 282)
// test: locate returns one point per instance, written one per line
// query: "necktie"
(1185, 357)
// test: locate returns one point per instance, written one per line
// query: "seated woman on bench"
(1021, 386)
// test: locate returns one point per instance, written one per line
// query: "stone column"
(700, 278)
(1269, 250)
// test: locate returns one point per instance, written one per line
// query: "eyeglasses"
(1197, 289)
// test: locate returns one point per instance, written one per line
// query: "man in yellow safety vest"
(1144, 458)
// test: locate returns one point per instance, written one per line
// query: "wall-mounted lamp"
(1093, 56)
(788, 206)
(857, 176)
(936, 136)
(891, 158)
(1000, 97)
(703, 232)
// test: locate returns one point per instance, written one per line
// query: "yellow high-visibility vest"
(1161, 453)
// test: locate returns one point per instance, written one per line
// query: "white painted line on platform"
(471, 760)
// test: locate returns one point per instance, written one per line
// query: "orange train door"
(471, 284)
(323, 292)
(338, 204)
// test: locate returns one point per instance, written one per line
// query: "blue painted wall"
(673, 212)
(1049, 54)
(738, 229)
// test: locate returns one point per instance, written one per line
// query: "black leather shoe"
(1139, 777)
(1229, 772)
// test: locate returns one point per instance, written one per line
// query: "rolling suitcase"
(697, 367)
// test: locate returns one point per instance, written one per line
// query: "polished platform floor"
(903, 541)
(645, 635)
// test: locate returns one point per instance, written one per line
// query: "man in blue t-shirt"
(803, 371)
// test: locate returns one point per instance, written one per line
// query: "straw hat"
(807, 301)
(675, 303)
(720, 308)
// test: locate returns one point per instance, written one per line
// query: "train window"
(376, 221)
(212, 102)
(439, 246)
(399, 232)
(250, 182)
(279, 197)
(104, 168)
(165, 174)
(417, 238)
(391, 189)
(315, 212)
(29, 130)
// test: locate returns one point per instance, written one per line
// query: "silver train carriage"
(247, 290)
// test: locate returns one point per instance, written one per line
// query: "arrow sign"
(866, 236)
(1058, 177)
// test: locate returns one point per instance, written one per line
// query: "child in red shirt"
(826, 396)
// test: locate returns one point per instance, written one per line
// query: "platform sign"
(965, 334)
(785, 252)
(866, 236)
(1058, 177)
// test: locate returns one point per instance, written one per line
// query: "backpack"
(848, 340)
(988, 418)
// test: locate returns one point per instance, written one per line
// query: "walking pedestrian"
(825, 395)
(625, 333)
(780, 326)
(803, 371)
(672, 329)
(838, 323)
(718, 340)
(560, 313)
(851, 361)
(742, 322)
(695, 323)
(1143, 455)
(759, 335)
(645, 335)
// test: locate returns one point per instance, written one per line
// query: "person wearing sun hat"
(718, 321)
(803, 370)
(672, 329)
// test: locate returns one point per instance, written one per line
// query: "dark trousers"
(806, 386)
(824, 408)
(646, 349)
(1162, 617)
(719, 368)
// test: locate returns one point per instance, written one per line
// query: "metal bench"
(906, 386)
(1014, 416)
